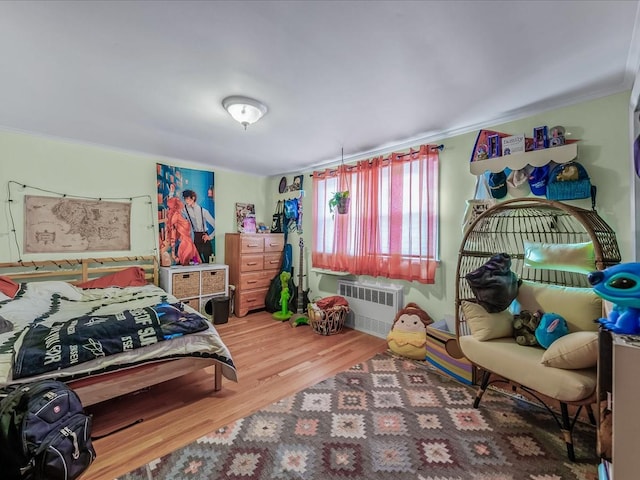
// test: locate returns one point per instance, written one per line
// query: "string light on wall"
(244, 110)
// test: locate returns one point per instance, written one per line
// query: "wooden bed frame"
(104, 386)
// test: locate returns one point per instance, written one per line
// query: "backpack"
(44, 433)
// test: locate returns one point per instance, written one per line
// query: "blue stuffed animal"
(620, 285)
(551, 327)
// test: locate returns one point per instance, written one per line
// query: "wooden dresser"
(253, 259)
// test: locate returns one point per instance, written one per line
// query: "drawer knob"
(252, 263)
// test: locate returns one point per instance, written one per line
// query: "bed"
(55, 301)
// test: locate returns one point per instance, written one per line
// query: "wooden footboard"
(98, 388)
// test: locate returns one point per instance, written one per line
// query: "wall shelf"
(517, 161)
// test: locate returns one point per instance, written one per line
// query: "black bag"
(277, 222)
(494, 284)
(45, 433)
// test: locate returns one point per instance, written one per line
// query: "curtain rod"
(439, 147)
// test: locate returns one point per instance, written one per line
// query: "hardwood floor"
(273, 361)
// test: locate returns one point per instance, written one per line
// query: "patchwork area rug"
(386, 418)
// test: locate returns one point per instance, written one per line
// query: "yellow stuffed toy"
(408, 335)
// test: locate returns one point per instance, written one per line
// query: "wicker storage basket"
(186, 285)
(329, 321)
(212, 281)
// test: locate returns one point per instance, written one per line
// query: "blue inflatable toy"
(620, 285)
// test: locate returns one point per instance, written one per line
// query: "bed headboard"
(78, 270)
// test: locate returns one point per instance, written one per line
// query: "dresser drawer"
(252, 299)
(251, 263)
(272, 261)
(274, 243)
(250, 281)
(251, 244)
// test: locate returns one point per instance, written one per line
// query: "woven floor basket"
(330, 321)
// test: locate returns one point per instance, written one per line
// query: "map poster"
(59, 225)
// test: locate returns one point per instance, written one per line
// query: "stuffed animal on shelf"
(408, 335)
(620, 285)
(568, 173)
(524, 327)
(552, 326)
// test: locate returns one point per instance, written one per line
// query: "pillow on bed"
(129, 277)
(8, 287)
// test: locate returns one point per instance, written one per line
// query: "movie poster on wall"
(186, 216)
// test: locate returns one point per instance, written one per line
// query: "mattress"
(49, 303)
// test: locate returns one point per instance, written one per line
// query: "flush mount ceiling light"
(244, 110)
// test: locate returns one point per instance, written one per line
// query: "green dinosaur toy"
(284, 313)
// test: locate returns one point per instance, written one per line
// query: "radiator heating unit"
(373, 307)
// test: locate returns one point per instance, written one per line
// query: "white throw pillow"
(573, 351)
(487, 326)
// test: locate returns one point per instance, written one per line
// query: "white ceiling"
(149, 76)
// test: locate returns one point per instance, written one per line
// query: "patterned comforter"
(51, 306)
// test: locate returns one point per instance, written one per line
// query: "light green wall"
(602, 127)
(85, 170)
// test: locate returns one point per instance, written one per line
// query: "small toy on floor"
(284, 313)
(408, 335)
(620, 284)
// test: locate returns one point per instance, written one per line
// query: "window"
(391, 228)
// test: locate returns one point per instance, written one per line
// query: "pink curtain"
(391, 229)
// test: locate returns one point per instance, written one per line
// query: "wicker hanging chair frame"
(505, 227)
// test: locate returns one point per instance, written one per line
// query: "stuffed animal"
(620, 285)
(568, 173)
(552, 326)
(408, 335)
(524, 327)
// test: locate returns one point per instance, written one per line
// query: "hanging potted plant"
(340, 201)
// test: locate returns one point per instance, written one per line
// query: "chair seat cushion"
(522, 365)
